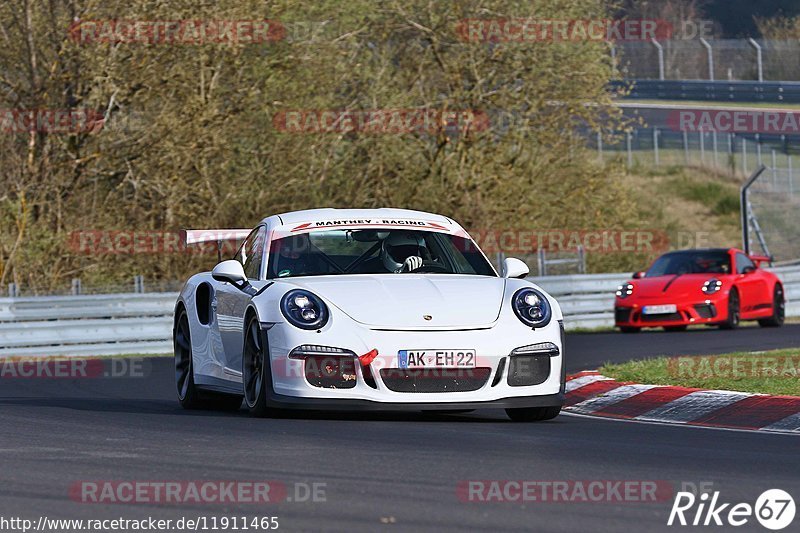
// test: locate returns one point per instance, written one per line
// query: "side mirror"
(748, 270)
(230, 271)
(638, 275)
(514, 268)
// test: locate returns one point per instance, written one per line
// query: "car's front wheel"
(733, 311)
(778, 310)
(256, 373)
(532, 414)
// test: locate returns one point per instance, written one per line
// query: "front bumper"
(701, 311)
(291, 388)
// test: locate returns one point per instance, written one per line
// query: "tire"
(675, 328)
(733, 319)
(188, 395)
(629, 329)
(533, 414)
(256, 374)
(778, 310)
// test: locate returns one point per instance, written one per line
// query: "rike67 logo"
(774, 509)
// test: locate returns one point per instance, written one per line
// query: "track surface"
(395, 472)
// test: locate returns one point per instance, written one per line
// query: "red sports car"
(712, 287)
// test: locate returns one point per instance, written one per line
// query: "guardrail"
(779, 92)
(142, 323)
(105, 324)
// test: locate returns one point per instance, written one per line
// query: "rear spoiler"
(197, 236)
(758, 259)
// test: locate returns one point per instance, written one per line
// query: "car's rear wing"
(197, 236)
(758, 259)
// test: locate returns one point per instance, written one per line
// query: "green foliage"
(190, 140)
(722, 199)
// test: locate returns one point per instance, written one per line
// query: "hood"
(672, 285)
(400, 301)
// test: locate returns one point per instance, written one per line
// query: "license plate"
(659, 309)
(436, 359)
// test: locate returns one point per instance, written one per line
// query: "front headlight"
(304, 309)
(711, 286)
(532, 307)
(624, 290)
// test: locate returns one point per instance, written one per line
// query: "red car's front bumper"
(702, 311)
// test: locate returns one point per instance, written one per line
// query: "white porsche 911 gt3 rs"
(376, 309)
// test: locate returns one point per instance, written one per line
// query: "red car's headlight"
(711, 286)
(624, 290)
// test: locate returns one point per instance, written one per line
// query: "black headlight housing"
(532, 307)
(304, 309)
(624, 290)
(711, 286)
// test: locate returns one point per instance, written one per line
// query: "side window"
(742, 262)
(251, 253)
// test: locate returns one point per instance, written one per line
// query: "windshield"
(694, 262)
(370, 251)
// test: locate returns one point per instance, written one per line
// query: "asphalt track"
(392, 472)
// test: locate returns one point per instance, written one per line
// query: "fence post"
(758, 149)
(541, 263)
(702, 147)
(13, 290)
(791, 175)
(774, 170)
(76, 286)
(613, 56)
(581, 260)
(655, 144)
(744, 154)
(600, 145)
(138, 284)
(628, 146)
(759, 59)
(660, 58)
(501, 257)
(714, 144)
(686, 146)
(710, 58)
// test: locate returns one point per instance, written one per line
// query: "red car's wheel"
(733, 311)
(778, 310)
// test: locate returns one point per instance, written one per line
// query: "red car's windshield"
(691, 262)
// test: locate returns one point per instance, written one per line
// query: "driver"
(402, 252)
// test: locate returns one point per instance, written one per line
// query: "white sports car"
(366, 309)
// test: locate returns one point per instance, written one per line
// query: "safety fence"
(142, 323)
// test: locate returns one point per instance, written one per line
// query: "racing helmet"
(399, 246)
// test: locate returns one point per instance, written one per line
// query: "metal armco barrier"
(779, 92)
(133, 323)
